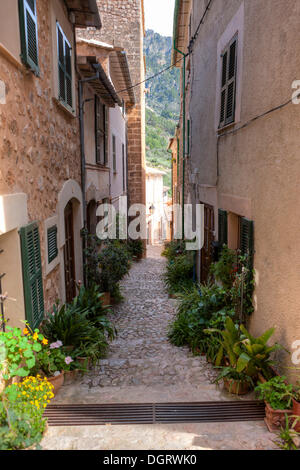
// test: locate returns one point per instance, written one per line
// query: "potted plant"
(52, 363)
(277, 395)
(237, 383)
(296, 406)
(21, 413)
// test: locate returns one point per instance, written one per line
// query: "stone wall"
(39, 141)
(123, 26)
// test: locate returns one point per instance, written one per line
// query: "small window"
(228, 83)
(114, 153)
(52, 243)
(29, 34)
(100, 132)
(65, 85)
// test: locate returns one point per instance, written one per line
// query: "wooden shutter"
(223, 227)
(228, 83)
(106, 135)
(64, 52)
(247, 238)
(32, 274)
(52, 243)
(114, 151)
(29, 34)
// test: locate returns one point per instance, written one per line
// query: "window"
(123, 167)
(52, 243)
(247, 237)
(223, 228)
(29, 34)
(228, 83)
(114, 153)
(32, 274)
(100, 132)
(65, 86)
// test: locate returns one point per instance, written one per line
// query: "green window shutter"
(64, 53)
(223, 227)
(32, 274)
(247, 238)
(29, 34)
(52, 243)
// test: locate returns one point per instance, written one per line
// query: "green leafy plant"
(245, 353)
(114, 264)
(67, 323)
(225, 268)
(52, 360)
(90, 301)
(18, 350)
(179, 273)
(21, 413)
(135, 248)
(173, 249)
(231, 374)
(288, 436)
(199, 308)
(276, 392)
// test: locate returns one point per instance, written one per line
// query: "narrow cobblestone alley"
(143, 367)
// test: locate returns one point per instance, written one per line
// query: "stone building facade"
(40, 176)
(123, 26)
(243, 163)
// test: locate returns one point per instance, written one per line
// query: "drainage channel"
(154, 413)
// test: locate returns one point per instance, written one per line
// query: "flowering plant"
(17, 351)
(21, 413)
(52, 360)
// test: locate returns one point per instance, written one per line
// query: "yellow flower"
(45, 341)
(35, 336)
(25, 331)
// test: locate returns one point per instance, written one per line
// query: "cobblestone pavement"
(142, 366)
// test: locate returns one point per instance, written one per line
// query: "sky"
(159, 16)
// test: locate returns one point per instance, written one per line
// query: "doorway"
(206, 252)
(69, 258)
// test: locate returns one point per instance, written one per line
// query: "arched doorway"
(69, 256)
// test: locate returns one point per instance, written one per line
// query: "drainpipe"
(183, 131)
(82, 153)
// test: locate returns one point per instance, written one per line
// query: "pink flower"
(68, 360)
(56, 345)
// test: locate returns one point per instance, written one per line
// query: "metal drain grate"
(199, 412)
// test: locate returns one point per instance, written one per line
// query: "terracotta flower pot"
(275, 419)
(70, 376)
(57, 381)
(236, 387)
(296, 412)
(106, 299)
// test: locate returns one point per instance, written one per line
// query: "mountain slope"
(162, 101)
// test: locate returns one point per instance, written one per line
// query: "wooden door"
(69, 254)
(206, 252)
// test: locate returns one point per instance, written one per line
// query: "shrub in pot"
(52, 363)
(21, 413)
(277, 395)
(114, 264)
(237, 383)
(296, 406)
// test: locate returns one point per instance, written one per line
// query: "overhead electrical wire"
(153, 76)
